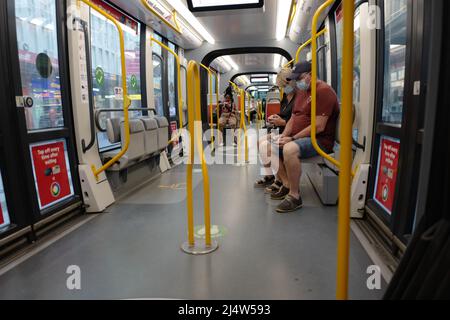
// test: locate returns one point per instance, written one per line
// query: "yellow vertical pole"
(243, 125)
(345, 174)
(189, 167)
(211, 122)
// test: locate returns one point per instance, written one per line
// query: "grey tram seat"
(151, 135)
(163, 132)
(116, 133)
(323, 174)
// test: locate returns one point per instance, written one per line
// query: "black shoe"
(290, 204)
(281, 194)
(274, 188)
(264, 182)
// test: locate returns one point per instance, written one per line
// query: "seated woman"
(278, 122)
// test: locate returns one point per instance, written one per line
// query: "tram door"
(401, 90)
(37, 40)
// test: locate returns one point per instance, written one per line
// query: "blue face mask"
(288, 90)
(303, 85)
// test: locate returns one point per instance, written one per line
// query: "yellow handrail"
(307, 43)
(126, 99)
(211, 123)
(243, 125)
(176, 28)
(249, 96)
(313, 42)
(217, 101)
(194, 116)
(180, 94)
(345, 173)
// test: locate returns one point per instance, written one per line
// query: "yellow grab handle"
(345, 174)
(313, 42)
(194, 113)
(307, 43)
(211, 123)
(126, 99)
(180, 95)
(243, 125)
(176, 28)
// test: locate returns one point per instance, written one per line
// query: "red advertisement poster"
(50, 172)
(387, 173)
(2, 220)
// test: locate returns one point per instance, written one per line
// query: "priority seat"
(115, 128)
(163, 132)
(151, 135)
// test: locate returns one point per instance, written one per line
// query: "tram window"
(322, 59)
(357, 59)
(4, 216)
(157, 76)
(39, 63)
(106, 68)
(395, 34)
(339, 19)
(172, 83)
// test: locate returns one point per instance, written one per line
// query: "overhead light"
(183, 11)
(38, 21)
(203, 5)
(260, 80)
(231, 62)
(283, 10)
(277, 61)
(49, 26)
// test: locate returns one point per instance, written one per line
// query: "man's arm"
(321, 124)
(288, 129)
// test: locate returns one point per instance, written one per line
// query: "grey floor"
(133, 250)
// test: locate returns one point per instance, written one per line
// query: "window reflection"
(172, 83)
(157, 76)
(39, 66)
(4, 216)
(107, 71)
(395, 60)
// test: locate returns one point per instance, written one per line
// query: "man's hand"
(284, 141)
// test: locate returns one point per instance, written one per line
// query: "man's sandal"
(290, 204)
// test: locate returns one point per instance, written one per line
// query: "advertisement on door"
(4, 217)
(2, 220)
(387, 173)
(51, 172)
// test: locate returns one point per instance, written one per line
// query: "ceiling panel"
(245, 24)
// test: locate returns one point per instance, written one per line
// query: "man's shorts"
(306, 148)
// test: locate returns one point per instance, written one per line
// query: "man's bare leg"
(293, 167)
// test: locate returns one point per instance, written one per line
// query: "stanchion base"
(200, 248)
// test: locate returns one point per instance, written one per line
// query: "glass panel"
(395, 60)
(171, 65)
(39, 65)
(357, 64)
(107, 72)
(339, 41)
(157, 76)
(4, 216)
(51, 171)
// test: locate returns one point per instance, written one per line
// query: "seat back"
(136, 149)
(151, 135)
(163, 132)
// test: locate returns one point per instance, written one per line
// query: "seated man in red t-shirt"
(295, 142)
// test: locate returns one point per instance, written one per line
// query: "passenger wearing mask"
(295, 142)
(228, 117)
(279, 122)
